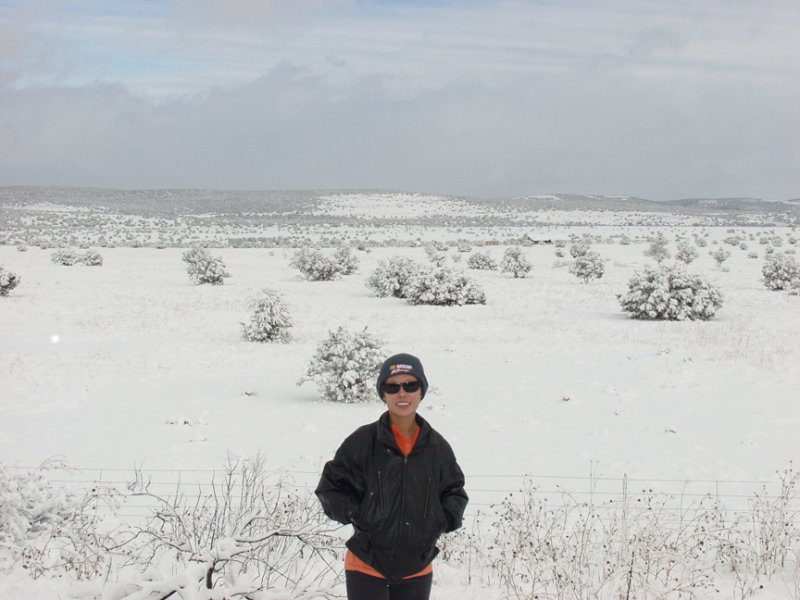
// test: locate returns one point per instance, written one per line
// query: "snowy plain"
(129, 365)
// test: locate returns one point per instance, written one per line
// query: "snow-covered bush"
(435, 255)
(463, 246)
(579, 249)
(28, 505)
(48, 528)
(779, 270)
(270, 321)
(588, 266)
(686, 253)
(204, 268)
(515, 262)
(482, 261)
(250, 531)
(391, 277)
(92, 258)
(345, 365)
(22, 248)
(657, 250)
(314, 265)
(669, 293)
(66, 257)
(538, 546)
(347, 261)
(444, 287)
(8, 281)
(720, 255)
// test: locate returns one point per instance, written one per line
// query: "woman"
(397, 482)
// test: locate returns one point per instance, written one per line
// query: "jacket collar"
(386, 437)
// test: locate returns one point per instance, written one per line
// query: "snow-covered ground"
(129, 364)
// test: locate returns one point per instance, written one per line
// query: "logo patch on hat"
(394, 369)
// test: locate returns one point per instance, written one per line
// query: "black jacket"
(398, 505)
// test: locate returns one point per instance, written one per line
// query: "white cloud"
(660, 100)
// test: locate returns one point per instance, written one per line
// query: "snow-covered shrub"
(436, 256)
(720, 255)
(22, 248)
(444, 287)
(776, 241)
(8, 281)
(92, 258)
(515, 262)
(579, 249)
(270, 321)
(538, 548)
(204, 268)
(314, 265)
(48, 528)
(779, 270)
(686, 253)
(345, 365)
(669, 293)
(250, 531)
(482, 261)
(657, 249)
(463, 246)
(732, 240)
(588, 266)
(701, 242)
(391, 277)
(28, 505)
(347, 261)
(66, 257)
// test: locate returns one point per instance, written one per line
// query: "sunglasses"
(393, 388)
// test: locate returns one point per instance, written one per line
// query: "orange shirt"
(351, 561)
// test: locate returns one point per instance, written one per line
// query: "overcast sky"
(657, 99)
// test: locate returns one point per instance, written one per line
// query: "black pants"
(361, 586)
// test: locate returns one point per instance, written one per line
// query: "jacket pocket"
(426, 509)
(433, 511)
(372, 511)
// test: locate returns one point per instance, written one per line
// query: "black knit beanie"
(402, 364)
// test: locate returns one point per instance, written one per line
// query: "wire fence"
(674, 496)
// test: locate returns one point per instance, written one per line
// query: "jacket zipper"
(402, 517)
(380, 493)
(427, 499)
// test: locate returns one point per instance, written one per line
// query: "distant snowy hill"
(735, 204)
(343, 204)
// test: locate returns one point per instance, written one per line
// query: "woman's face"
(403, 403)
